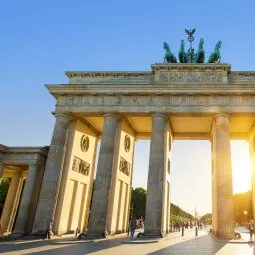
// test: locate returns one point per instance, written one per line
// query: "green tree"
(178, 213)
(138, 202)
(4, 186)
(242, 202)
(207, 218)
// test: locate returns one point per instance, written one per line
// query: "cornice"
(190, 67)
(242, 73)
(154, 67)
(103, 74)
(25, 149)
(75, 89)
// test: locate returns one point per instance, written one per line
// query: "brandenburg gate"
(173, 101)
(192, 101)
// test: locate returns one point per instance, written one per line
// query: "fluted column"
(155, 212)
(11, 202)
(223, 225)
(20, 226)
(52, 174)
(101, 194)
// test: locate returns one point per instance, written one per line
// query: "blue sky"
(42, 39)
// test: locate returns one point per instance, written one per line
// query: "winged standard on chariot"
(191, 56)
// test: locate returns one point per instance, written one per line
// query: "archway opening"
(191, 176)
(241, 172)
(139, 180)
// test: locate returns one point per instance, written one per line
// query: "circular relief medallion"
(84, 143)
(127, 143)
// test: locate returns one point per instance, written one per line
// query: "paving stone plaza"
(174, 244)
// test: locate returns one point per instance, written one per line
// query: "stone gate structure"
(170, 102)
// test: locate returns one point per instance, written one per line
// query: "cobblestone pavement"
(171, 245)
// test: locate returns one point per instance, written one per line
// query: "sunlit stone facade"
(170, 102)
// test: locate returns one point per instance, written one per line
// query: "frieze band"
(157, 100)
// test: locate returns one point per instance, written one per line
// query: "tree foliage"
(207, 218)
(4, 186)
(242, 203)
(177, 211)
(138, 202)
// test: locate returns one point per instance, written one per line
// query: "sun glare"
(241, 166)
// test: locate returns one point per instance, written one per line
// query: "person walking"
(48, 231)
(132, 225)
(251, 229)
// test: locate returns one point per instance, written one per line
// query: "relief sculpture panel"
(190, 77)
(124, 166)
(80, 166)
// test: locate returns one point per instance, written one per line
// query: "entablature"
(68, 90)
(171, 74)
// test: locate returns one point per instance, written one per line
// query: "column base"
(153, 234)
(93, 235)
(223, 235)
(38, 233)
(18, 233)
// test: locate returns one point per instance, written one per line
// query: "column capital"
(221, 115)
(67, 115)
(115, 115)
(157, 114)
(222, 119)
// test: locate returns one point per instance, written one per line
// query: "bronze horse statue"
(200, 56)
(169, 56)
(182, 53)
(215, 57)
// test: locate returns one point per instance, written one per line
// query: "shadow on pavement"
(69, 246)
(200, 245)
(16, 246)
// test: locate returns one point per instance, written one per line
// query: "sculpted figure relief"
(124, 166)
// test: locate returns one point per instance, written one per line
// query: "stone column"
(52, 175)
(155, 201)
(99, 209)
(223, 225)
(26, 199)
(11, 203)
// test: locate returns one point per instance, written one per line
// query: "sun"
(241, 166)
